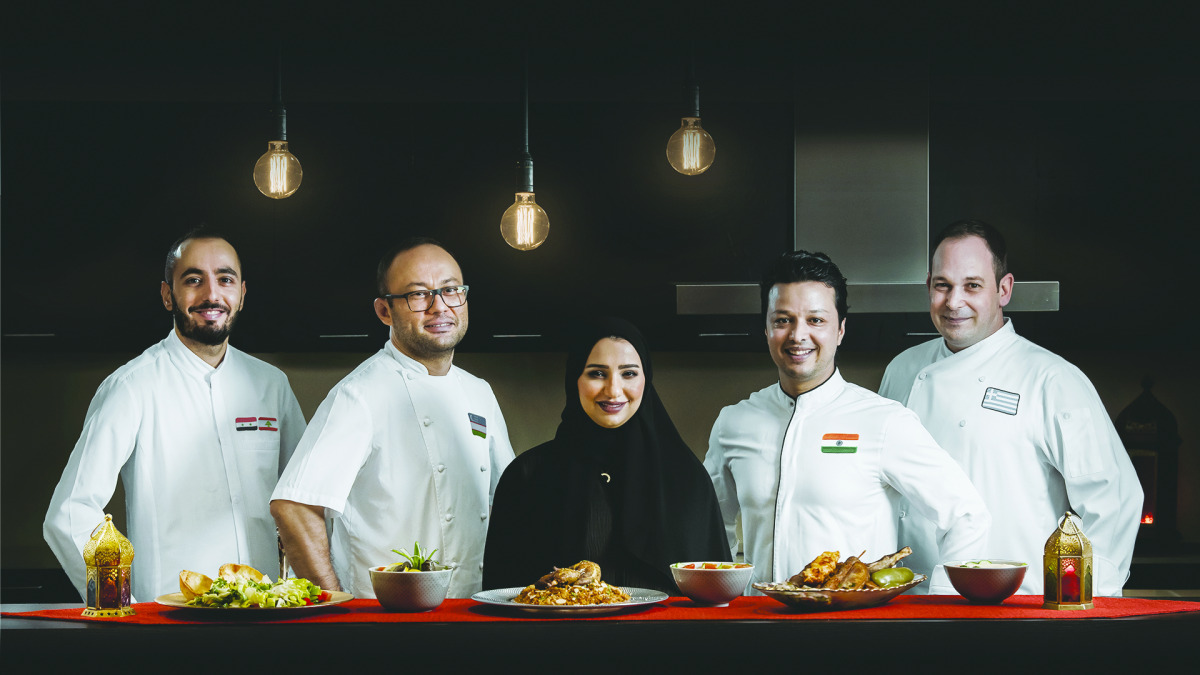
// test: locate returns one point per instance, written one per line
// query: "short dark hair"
(195, 233)
(804, 266)
(976, 228)
(385, 263)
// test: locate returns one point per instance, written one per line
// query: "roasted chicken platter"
(578, 584)
(825, 572)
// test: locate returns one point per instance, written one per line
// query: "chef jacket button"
(441, 468)
(449, 517)
(426, 421)
(483, 516)
(1066, 416)
(962, 423)
(483, 467)
(480, 565)
(921, 376)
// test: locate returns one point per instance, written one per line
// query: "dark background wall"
(1072, 127)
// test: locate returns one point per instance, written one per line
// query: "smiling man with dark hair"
(197, 430)
(814, 463)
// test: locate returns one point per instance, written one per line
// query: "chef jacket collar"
(816, 397)
(406, 362)
(985, 347)
(188, 361)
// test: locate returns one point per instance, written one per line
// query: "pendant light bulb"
(277, 173)
(525, 225)
(691, 149)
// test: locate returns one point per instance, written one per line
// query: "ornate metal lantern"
(1067, 567)
(108, 556)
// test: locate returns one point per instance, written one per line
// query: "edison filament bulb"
(277, 173)
(525, 225)
(691, 150)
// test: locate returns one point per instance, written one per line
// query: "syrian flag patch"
(839, 444)
(1001, 401)
(478, 425)
(246, 423)
(268, 424)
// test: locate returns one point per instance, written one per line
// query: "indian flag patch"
(246, 423)
(839, 443)
(478, 425)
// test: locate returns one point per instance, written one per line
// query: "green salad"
(246, 593)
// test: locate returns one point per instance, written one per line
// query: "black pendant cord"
(525, 160)
(691, 90)
(280, 111)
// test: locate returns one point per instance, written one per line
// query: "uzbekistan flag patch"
(478, 425)
(839, 443)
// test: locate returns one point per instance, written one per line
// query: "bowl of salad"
(986, 582)
(417, 583)
(712, 583)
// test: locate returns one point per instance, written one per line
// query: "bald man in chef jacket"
(1026, 425)
(407, 447)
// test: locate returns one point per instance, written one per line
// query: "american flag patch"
(478, 425)
(1001, 401)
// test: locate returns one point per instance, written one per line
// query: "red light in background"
(1148, 519)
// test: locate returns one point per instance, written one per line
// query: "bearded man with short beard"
(197, 431)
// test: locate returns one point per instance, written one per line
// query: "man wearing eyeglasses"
(405, 448)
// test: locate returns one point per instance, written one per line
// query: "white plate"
(177, 600)
(503, 597)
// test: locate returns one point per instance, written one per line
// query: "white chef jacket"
(826, 472)
(397, 456)
(1031, 432)
(198, 449)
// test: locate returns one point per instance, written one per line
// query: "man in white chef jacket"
(198, 432)
(814, 463)
(1026, 425)
(406, 448)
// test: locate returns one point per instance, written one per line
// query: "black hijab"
(662, 500)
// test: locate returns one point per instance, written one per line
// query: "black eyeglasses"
(419, 301)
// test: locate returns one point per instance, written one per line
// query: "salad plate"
(832, 600)
(178, 601)
(503, 597)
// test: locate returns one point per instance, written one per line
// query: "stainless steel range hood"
(862, 194)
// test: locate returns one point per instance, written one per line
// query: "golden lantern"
(1067, 567)
(108, 556)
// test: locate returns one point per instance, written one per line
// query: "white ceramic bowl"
(410, 591)
(986, 585)
(714, 587)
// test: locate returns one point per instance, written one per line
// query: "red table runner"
(746, 608)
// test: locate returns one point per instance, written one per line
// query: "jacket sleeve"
(1102, 485)
(939, 490)
(293, 424)
(723, 484)
(108, 439)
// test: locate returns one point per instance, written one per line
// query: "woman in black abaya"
(616, 485)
